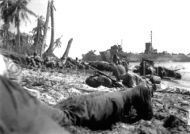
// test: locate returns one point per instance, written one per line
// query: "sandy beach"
(53, 87)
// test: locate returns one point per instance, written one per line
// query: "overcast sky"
(99, 24)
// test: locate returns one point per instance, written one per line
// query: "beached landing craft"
(147, 67)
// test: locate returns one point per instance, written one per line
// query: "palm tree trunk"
(18, 32)
(18, 37)
(65, 55)
(37, 44)
(45, 29)
(52, 28)
(51, 46)
(6, 36)
(37, 41)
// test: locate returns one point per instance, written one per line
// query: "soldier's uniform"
(115, 59)
(131, 80)
(98, 80)
(21, 113)
(118, 71)
(101, 110)
(147, 67)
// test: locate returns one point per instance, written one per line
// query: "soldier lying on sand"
(128, 79)
(98, 80)
(102, 110)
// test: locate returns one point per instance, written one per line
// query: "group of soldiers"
(145, 72)
(120, 73)
(22, 113)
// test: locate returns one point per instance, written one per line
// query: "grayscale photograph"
(94, 66)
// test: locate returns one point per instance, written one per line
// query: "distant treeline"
(133, 57)
(158, 57)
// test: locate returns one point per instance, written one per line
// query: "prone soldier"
(102, 110)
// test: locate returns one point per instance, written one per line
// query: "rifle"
(178, 69)
(115, 83)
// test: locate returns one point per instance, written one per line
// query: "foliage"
(6, 10)
(106, 56)
(26, 41)
(13, 12)
(20, 12)
(91, 56)
(116, 49)
(40, 27)
(37, 35)
(57, 43)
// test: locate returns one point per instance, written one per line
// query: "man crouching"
(101, 110)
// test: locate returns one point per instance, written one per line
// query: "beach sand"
(53, 87)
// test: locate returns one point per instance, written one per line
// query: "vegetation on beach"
(12, 13)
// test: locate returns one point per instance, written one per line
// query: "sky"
(99, 24)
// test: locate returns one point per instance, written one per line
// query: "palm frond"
(52, 5)
(30, 12)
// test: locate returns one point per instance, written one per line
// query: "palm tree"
(66, 53)
(57, 43)
(49, 51)
(20, 12)
(45, 28)
(5, 11)
(38, 35)
(52, 26)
